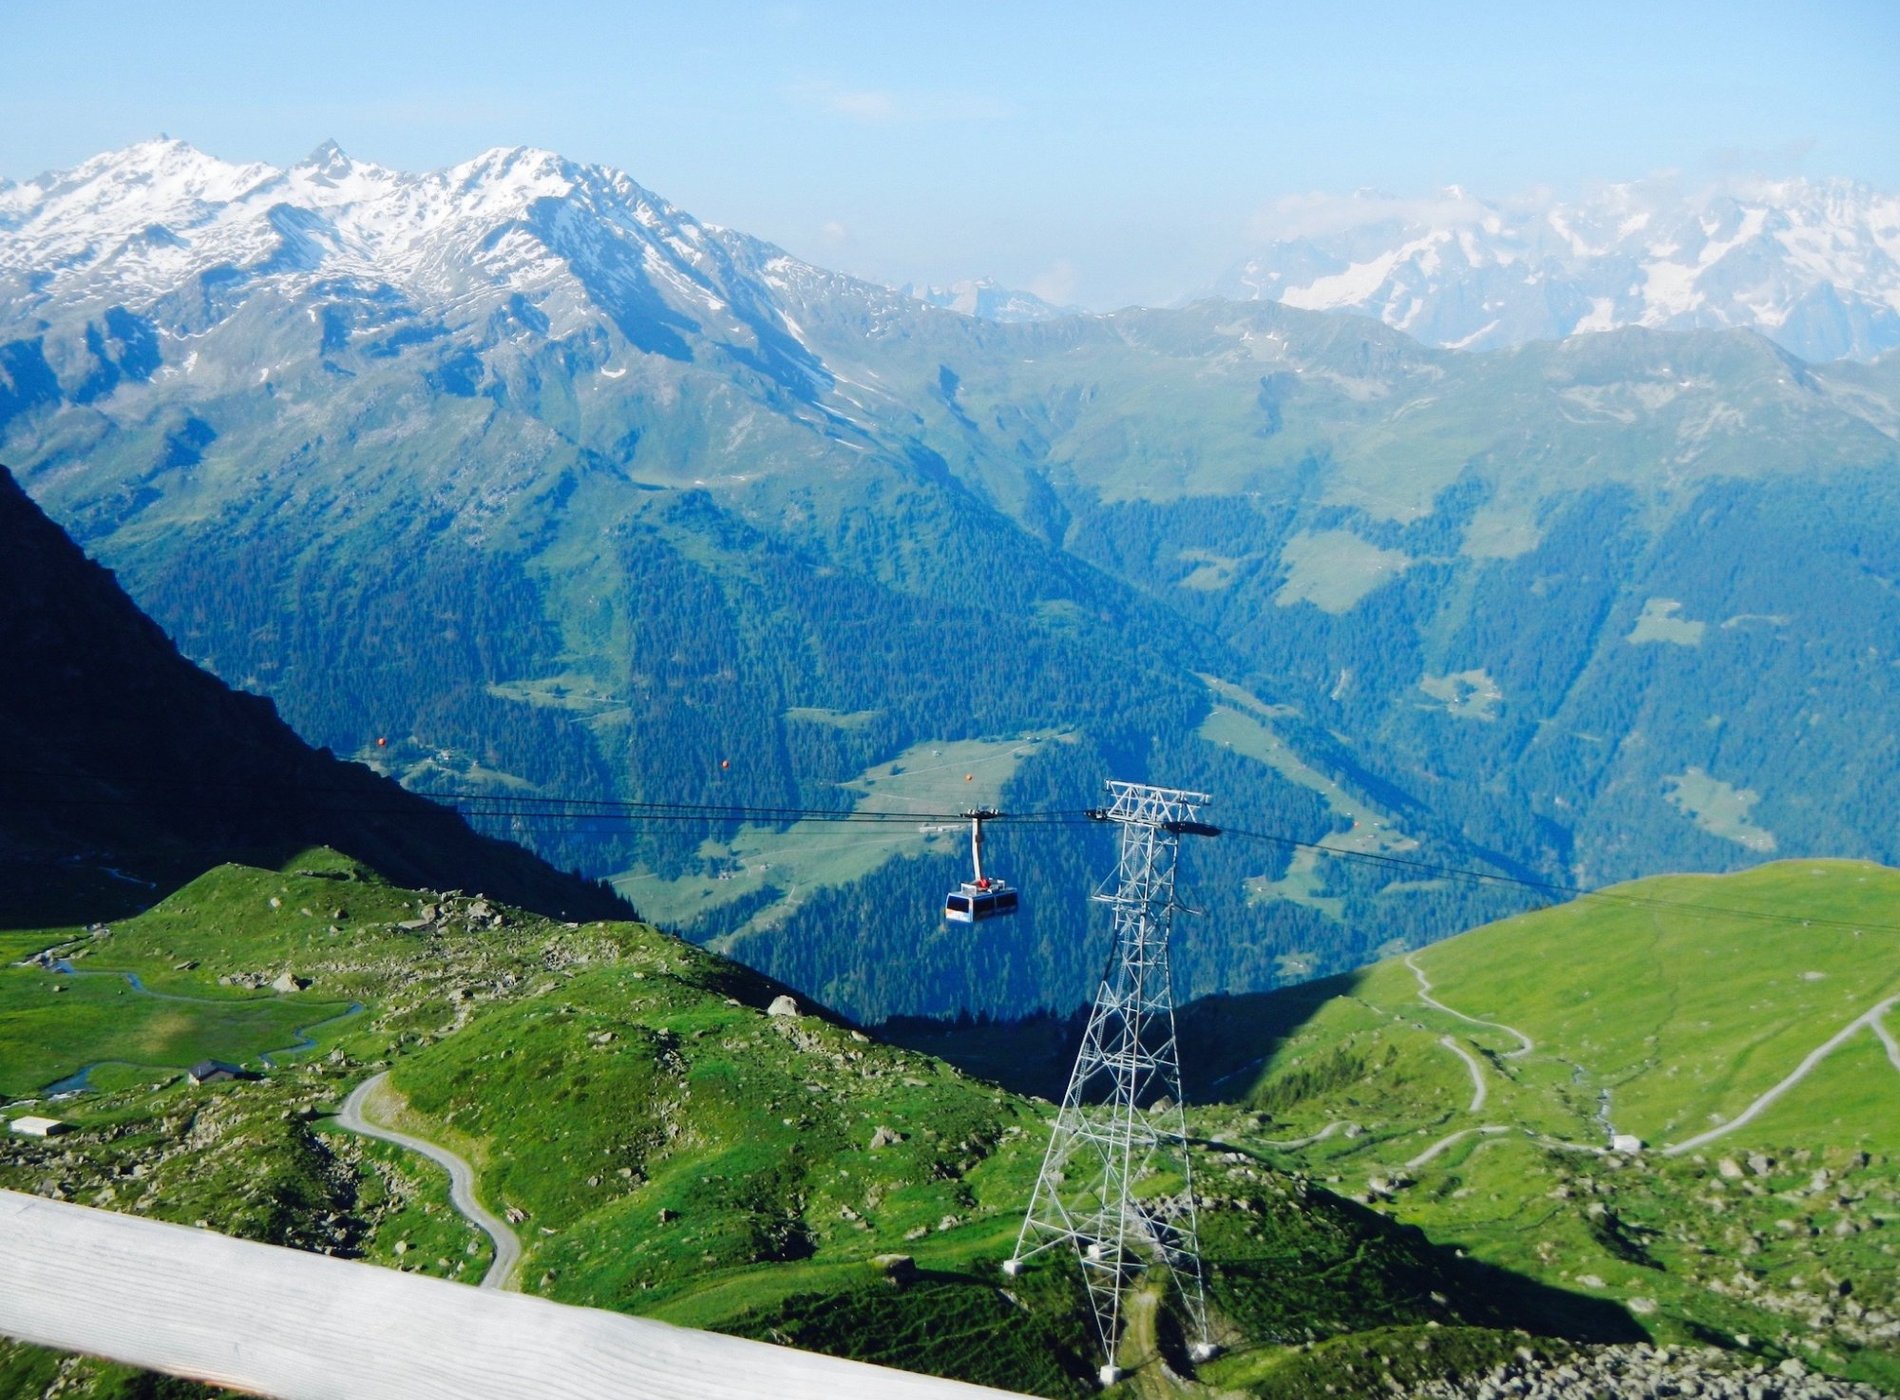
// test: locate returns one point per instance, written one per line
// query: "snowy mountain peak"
(168, 170)
(517, 240)
(1815, 265)
(516, 167)
(128, 224)
(327, 160)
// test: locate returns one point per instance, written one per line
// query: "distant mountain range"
(1812, 265)
(988, 300)
(565, 492)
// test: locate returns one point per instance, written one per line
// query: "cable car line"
(527, 811)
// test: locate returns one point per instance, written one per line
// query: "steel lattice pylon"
(1116, 1183)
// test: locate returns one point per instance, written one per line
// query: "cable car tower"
(1116, 1183)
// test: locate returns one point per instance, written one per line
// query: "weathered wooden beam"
(298, 1326)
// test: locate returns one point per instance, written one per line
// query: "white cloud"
(1055, 284)
(1317, 214)
(877, 107)
(860, 105)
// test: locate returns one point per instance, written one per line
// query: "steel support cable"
(546, 812)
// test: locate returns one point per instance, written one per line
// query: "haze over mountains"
(1812, 265)
(568, 493)
(982, 297)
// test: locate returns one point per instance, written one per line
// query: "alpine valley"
(558, 491)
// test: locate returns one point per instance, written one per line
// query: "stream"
(80, 1080)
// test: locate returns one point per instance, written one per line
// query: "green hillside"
(1668, 1010)
(658, 1140)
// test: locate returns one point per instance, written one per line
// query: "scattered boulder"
(1730, 1168)
(884, 1137)
(899, 1269)
(782, 1006)
(289, 982)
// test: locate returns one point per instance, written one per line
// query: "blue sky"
(1106, 153)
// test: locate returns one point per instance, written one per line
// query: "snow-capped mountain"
(1813, 265)
(987, 300)
(147, 218)
(166, 243)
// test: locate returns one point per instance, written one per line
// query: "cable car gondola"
(980, 897)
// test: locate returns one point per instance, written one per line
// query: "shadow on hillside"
(1227, 1042)
(1493, 1296)
(1545, 1310)
(75, 892)
(56, 892)
(1331, 1267)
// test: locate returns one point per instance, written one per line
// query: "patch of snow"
(1600, 317)
(1479, 334)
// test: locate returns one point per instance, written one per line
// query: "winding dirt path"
(1886, 1039)
(1478, 1091)
(1870, 1017)
(1525, 1043)
(461, 1180)
(1320, 1136)
(1488, 1130)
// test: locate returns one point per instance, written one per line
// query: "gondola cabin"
(979, 897)
(972, 903)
